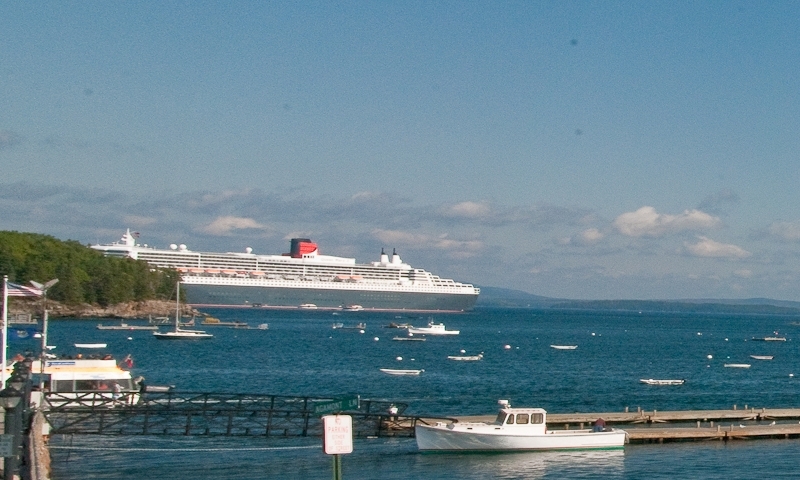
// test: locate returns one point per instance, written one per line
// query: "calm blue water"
(301, 355)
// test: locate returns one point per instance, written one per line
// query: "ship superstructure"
(302, 276)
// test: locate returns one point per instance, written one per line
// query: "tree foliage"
(85, 275)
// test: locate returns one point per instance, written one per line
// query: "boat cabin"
(521, 417)
(91, 381)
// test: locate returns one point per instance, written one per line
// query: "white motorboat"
(762, 357)
(650, 381)
(466, 358)
(91, 345)
(432, 329)
(180, 333)
(515, 429)
(353, 308)
(308, 306)
(398, 371)
(408, 339)
(737, 365)
(564, 347)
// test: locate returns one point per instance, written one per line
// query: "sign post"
(338, 439)
(338, 405)
(6, 445)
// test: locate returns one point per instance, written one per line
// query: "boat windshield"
(501, 418)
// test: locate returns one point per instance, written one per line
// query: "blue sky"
(568, 149)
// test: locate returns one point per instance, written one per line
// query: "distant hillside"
(679, 306)
(508, 298)
(505, 297)
(85, 275)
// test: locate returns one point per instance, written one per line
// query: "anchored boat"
(180, 333)
(432, 329)
(650, 381)
(397, 371)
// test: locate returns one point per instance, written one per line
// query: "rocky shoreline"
(127, 310)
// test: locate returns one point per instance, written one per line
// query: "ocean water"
(302, 355)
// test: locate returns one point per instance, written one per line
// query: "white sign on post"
(338, 434)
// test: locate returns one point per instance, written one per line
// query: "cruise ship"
(301, 278)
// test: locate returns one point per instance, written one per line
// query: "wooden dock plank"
(728, 432)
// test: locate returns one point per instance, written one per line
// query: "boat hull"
(432, 438)
(324, 298)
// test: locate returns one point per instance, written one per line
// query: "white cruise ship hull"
(323, 296)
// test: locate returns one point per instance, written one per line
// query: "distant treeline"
(678, 307)
(85, 275)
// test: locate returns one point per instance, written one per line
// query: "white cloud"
(225, 225)
(139, 220)
(709, 248)
(468, 210)
(744, 273)
(591, 235)
(786, 230)
(647, 222)
(458, 248)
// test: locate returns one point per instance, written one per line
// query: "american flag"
(15, 290)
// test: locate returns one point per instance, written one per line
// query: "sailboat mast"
(178, 306)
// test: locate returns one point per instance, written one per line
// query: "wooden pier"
(655, 426)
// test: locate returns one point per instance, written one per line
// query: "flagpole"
(4, 346)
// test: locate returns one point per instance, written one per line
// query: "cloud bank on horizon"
(543, 249)
(569, 149)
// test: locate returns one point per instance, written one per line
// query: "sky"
(571, 149)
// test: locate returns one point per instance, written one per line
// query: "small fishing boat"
(514, 430)
(737, 365)
(432, 329)
(564, 347)
(770, 339)
(651, 381)
(762, 357)
(409, 339)
(397, 371)
(466, 358)
(353, 308)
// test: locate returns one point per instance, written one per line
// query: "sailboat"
(179, 333)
